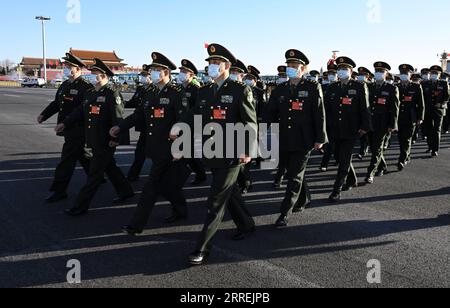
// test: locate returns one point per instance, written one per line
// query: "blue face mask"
(249, 82)
(67, 72)
(156, 77)
(434, 77)
(214, 71)
(143, 80)
(292, 72)
(234, 77)
(332, 78)
(344, 74)
(182, 78)
(404, 77)
(379, 76)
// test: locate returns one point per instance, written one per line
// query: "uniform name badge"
(95, 110)
(381, 101)
(219, 114)
(159, 113)
(347, 101)
(297, 105)
(408, 99)
(74, 92)
(101, 99)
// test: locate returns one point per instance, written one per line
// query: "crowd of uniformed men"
(328, 113)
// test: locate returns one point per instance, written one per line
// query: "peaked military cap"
(217, 51)
(188, 65)
(436, 68)
(239, 66)
(100, 66)
(296, 56)
(73, 60)
(382, 66)
(363, 71)
(253, 72)
(406, 68)
(160, 60)
(345, 61)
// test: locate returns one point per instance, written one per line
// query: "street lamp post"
(43, 20)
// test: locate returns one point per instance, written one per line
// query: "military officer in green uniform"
(69, 97)
(238, 71)
(350, 118)
(385, 102)
(412, 113)
(163, 108)
(137, 102)
(436, 93)
(189, 89)
(224, 102)
(364, 76)
(299, 109)
(102, 109)
(281, 171)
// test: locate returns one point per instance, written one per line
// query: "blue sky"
(256, 31)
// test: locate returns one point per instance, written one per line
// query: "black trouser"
(102, 162)
(281, 172)
(405, 137)
(139, 158)
(244, 178)
(166, 179)
(377, 147)
(72, 152)
(328, 152)
(197, 167)
(224, 193)
(346, 172)
(297, 162)
(365, 144)
(433, 124)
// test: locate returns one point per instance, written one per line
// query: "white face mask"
(344, 74)
(156, 77)
(332, 78)
(214, 71)
(282, 80)
(316, 79)
(249, 82)
(362, 78)
(67, 72)
(143, 80)
(234, 77)
(434, 77)
(182, 78)
(325, 82)
(380, 76)
(293, 73)
(425, 77)
(390, 82)
(404, 77)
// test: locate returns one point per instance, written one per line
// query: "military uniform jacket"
(348, 109)
(384, 105)
(162, 109)
(301, 114)
(137, 102)
(260, 102)
(101, 110)
(189, 95)
(231, 104)
(412, 104)
(436, 96)
(70, 95)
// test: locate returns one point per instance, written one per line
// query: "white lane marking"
(12, 95)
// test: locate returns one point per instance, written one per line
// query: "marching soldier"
(384, 99)
(350, 118)
(224, 102)
(190, 88)
(281, 172)
(436, 94)
(102, 109)
(298, 107)
(329, 147)
(364, 76)
(69, 97)
(412, 113)
(136, 102)
(163, 108)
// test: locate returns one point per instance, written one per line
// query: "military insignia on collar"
(226, 99)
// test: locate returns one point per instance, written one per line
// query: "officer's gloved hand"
(113, 144)
(60, 128)
(40, 119)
